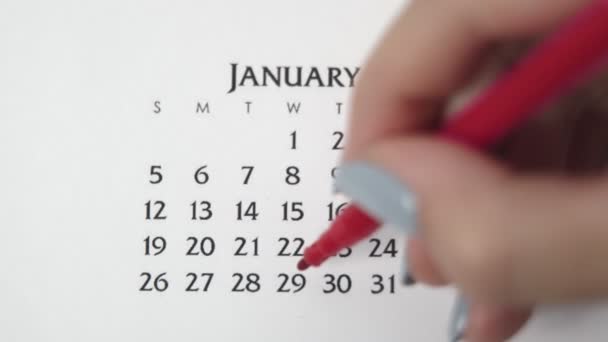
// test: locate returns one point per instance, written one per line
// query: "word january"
(296, 77)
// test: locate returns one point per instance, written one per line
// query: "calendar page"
(165, 163)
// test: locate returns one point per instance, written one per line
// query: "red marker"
(556, 66)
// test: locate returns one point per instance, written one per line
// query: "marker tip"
(303, 265)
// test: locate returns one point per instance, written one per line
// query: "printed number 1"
(294, 144)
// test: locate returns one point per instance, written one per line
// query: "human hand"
(522, 227)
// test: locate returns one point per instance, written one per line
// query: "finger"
(495, 324)
(421, 264)
(502, 238)
(429, 52)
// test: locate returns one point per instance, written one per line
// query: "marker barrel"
(554, 67)
(348, 228)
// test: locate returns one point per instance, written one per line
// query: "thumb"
(501, 237)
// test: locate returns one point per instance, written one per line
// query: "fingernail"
(460, 318)
(406, 276)
(408, 280)
(334, 191)
(334, 174)
(378, 193)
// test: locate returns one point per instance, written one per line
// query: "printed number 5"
(155, 175)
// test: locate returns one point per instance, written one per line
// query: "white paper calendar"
(164, 164)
